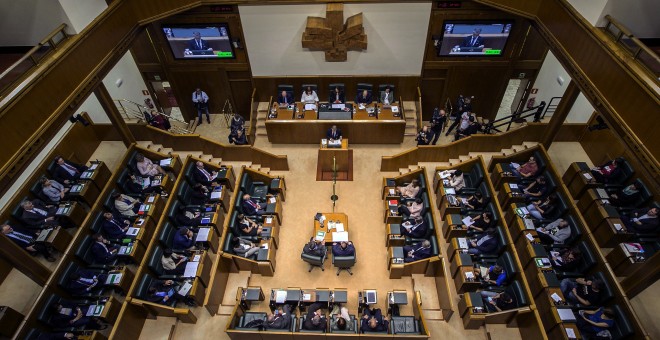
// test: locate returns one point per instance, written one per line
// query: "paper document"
(166, 162)
(93, 166)
(132, 231)
(570, 333)
(464, 200)
(76, 188)
(468, 221)
(264, 246)
(151, 199)
(196, 258)
(280, 296)
(556, 297)
(444, 174)
(191, 269)
(513, 185)
(566, 314)
(392, 191)
(215, 195)
(307, 297)
(462, 243)
(529, 223)
(43, 235)
(86, 174)
(113, 279)
(554, 253)
(139, 221)
(618, 227)
(339, 226)
(125, 250)
(395, 109)
(341, 236)
(272, 200)
(202, 235)
(530, 237)
(450, 191)
(94, 310)
(602, 193)
(206, 220)
(469, 275)
(633, 247)
(515, 165)
(587, 176)
(269, 220)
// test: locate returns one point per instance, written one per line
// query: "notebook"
(94, 310)
(215, 195)
(340, 236)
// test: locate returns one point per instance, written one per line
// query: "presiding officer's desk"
(287, 128)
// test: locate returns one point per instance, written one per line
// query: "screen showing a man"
(472, 39)
(194, 42)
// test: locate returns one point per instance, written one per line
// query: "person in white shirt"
(201, 101)
(309, 96)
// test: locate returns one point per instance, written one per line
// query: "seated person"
(189, 217)
(456, 180)
(146, 167)
(281, 320)
(238, 137)
(314, 247)
(237, 122)
(363, 98)
(84, 282)
(556, 232)
(54, 190)
(334, 133)
(67, 172)
(482, 222)
(115, 228)
(173, 263)
(199, 195)
(541, 210)
(497, 302)
(625, 196)
(526, 170)
(592, 322)
(102, 250)
(343, 248)
(475, 201)
(309, 96)
(415, 229)
(137, 185)
(387, 96)
(284, 98)
(27, 240)
(38, 215)
(582, 291)
(184, 238)
(341, 320)
(162, 291)
(251, 207)
(315, 319)
(373, 321)
(412, 209)
(417, 252)
(67, 315)
(126, 205)
(203, 176)
(643, 220)
(565, 260)
(243, 247)
(336, 96)
(248, 227)
(494, 275)
(608, 171)
(409, 191)
(486, 244)
(537, 189)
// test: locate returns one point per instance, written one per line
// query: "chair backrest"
(645, 194)
(382, 87)
(155, 264)
(166, 235)
(550, 182)
(183, 192)
(627, 172)
(365, 86)
(109, 202)
(313, 86)
(435, 247)
(516, 291)
(331, 88)
(588, 260)
(404, 325)
(17, 212)
(493, 211)
(501, 240)
(45, 312)
(83, 252)
(174, 209)
(63, 279)
(97, 222)
(540, 162)
(607, 293)
(312, 259)
(343, 261)
(622, 327)
(142, 288)
(283, 87)
(506, 261)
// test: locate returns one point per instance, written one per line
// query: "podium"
(341, 157)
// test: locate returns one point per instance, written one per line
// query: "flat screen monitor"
(371, 297)
(470, 38)
(210, 41)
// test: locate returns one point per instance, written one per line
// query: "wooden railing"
(254, 112)
(645, 57)
(418, 107)
(22, 68)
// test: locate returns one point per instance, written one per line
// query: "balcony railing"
(641, 53)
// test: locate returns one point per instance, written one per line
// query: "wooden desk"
(453, 227)
(72, 214)
(394, 237)
(341, 158)
(623, 261)
(443, 203)
(174, 166)
(561, 330)
(146, 222)
(499, 176)
(574, 170)
(275, 209)
(223, 199)
(472, 310)
(508, 195)
(460, 260)
(580, 183)
(98, 173)
(87, 192)
(540, 281)
(283, 112)
(10, 320)
(58, 238)
(197, 291)
(389, 192)
(395, 262)
(91, 335)
(151, 207)
(111, 310)
(212, 239)
(518, 227)
(266, 258)
(530, 253)
(391, 212)
(302, 114)
(454, 247)
(136, 253)
(547, 308)
(608, 234)
(310, 296)
(341, 217)
(125, 281)
(204, 267)
(463, 284)
(226, 176)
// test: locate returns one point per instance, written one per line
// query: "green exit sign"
(493, 52)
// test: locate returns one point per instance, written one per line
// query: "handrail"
(139, 114)
(254, 112)
(420, 112)
(550, 106)
(514, 116)
(48, 40)
(636, 50)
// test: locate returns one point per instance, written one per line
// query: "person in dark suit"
(416, 228)
(102, 250)
(251, 207)
(363, 98)
(188, 217)
(315, 319)
(84, 282)
(285, 98)
(38, 215)
(387, 96)
(67, 315)
(203, 176)
(199, 195)
(643, 220)
(27, 240)
(184, 239)
(197, 43)
(625, 196)
(337, 96)
(474, 40)
(486, 244)
(247, 226)
(66, 172)
(373, 321)
(238, 138)
(334, 133)
(417, 252)
(237, 122)
(314, 247)
(343, 248)
(424, 136)
(159, 292)
(115, 228)
(281, 320)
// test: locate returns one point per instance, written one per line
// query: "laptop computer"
(43, 235)
(371, 297)
(185, 288)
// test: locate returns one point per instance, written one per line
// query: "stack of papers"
(310, 107)
(93, 166)
(191, 269)
(395, 109)
(202, 235)
(529, 224)
(469, 275)
(566, 314)
(196, 258)
(341, 236)
(450, 191)
(468, 221)
(556, 297)
(272, 200)
(339, 226)
(280, 296)
(587, 176)
(513, 185)
(444, 174)
(151, 199)
(462, 243)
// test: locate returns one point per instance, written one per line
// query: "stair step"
(227, 310)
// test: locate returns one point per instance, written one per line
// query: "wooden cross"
(331, 35)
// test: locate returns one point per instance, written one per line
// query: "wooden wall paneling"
(130, 321)
(143, 49)
(185, 80)
(486, 83)
(31, 266)
(241, 94)
(533, 46)
(431, 96)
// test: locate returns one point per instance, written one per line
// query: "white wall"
(92, 106)
(132, 83)
(640, 16)
(396, 35)
(27, 22)
(590, 9)
(82, 12)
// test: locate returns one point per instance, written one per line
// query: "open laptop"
(371, 297)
